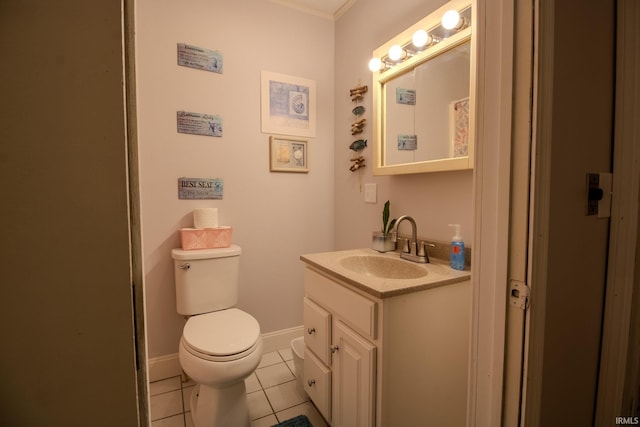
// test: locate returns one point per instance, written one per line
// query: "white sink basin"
(383, 267)
(383, 275)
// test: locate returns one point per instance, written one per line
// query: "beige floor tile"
(166, 404)
(258, 405)
(285, 396)
(164, 386)
(252, 384)
(292, 367)
(269, 359)
(267, 421)
(286, 354)
(174, 421)
(274, 375)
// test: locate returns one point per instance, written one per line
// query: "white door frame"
(492, 174)
(519, 220)
(542, 113)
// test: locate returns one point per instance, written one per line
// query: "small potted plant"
(384, 241)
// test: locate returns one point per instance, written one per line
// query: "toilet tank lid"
(233, 250)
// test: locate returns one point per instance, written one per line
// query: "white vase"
(382, 242)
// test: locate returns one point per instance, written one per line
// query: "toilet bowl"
(218, 351)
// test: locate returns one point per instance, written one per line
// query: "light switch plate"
(370, 193)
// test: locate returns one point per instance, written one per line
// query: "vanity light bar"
(422, 40)
(452, 21)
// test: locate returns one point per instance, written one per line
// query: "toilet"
(220, 344)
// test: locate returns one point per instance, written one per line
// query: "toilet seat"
(223, 335)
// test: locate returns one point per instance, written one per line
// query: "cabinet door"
(317, 383)
(317, 330)
(354, 379)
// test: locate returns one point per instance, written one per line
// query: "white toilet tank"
(206, 279)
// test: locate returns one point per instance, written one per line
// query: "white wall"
(275, 216)
(433, 200)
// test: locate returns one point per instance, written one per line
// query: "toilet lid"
(221, 333)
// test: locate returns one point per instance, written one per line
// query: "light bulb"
(450, 20)
(375, 64)
(396, 52)
(420, 38)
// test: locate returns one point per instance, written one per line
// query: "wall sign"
(405, 96)
(199, 58)
(200, 188)
(407, 142)
(199, 124)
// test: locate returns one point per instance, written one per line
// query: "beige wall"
(275, 216)
(66, 318)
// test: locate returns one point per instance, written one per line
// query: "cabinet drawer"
(317, 383)
(317, 330)
(356, 310)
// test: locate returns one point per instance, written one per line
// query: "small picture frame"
(288, 154)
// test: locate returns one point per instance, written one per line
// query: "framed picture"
(288, 154)
(459, 128)
(288, 105)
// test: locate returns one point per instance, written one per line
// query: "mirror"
(424, 97)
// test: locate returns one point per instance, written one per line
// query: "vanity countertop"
(437, 272)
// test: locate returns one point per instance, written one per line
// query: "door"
(572, 136)
(65, 259)
(353, 370)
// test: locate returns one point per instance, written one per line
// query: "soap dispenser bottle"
(457, 249)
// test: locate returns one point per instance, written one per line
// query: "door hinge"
(518, 294)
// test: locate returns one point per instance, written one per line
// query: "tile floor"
(272, 395)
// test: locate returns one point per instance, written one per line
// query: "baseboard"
(169, 366)
(164, 367)
(278, 340)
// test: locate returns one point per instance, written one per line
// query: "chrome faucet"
(412, 251)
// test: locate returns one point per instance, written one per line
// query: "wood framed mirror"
(424, 96)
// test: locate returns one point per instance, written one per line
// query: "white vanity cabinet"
(386, 361)
(339, 364)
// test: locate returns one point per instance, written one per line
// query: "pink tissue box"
(205, 238)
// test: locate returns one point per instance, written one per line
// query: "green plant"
(386, 225)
